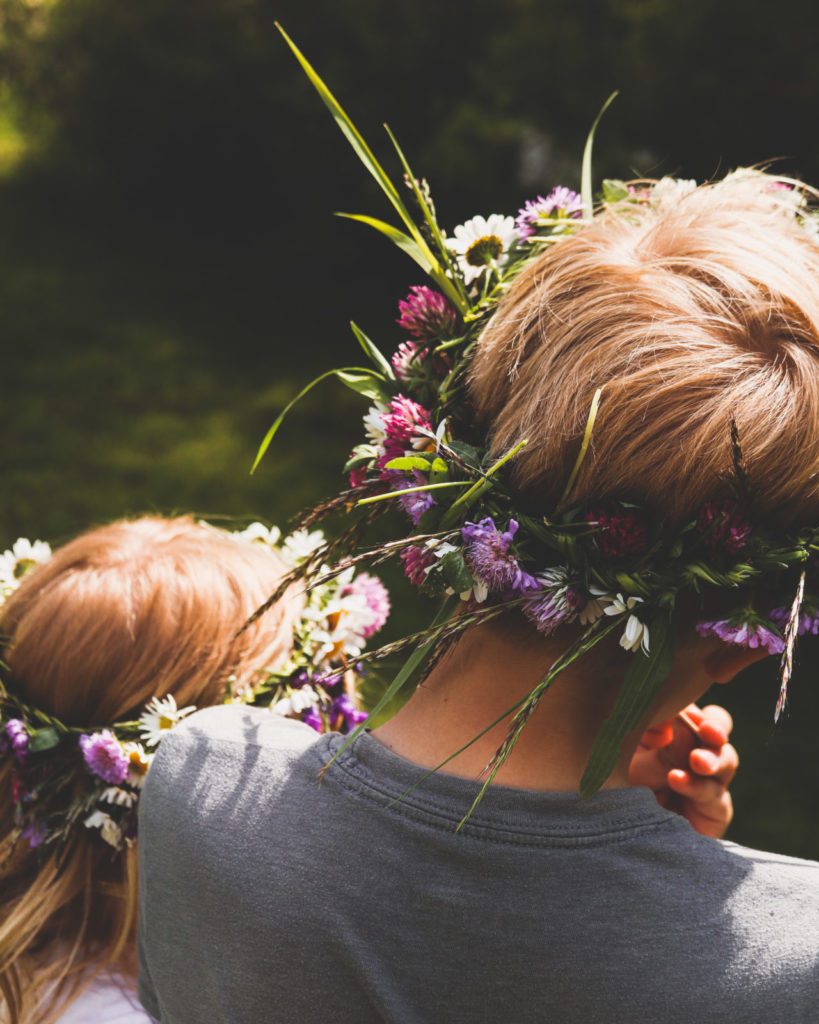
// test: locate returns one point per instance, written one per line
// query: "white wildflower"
(482, 242)
(160, 716)
(670, 191)
(301, 544)
(374, 425)
(19, 559)
(117, 795)
(109, 829)
(258, 533)
(595, 607)
(139, 761)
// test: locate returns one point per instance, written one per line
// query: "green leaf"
(354, 377)
(410, 462)
(439, 471)
(586, 173)
(455, 572)
(397, 237)
(381, 364)
(614, 190)
(642, 683)
(42, 739)
(467, 452)
(361, 454)
(356, 140)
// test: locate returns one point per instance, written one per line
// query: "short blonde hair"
(134, 609)
(689, 313)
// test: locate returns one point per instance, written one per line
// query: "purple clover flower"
(375, 596)
(744, 632)
(403, 358)
(808, 620)
(416, 561)
(489, 556)
(560, 202)
(104, 756)
(426, 315)
(312, 718)
(18, 737)
(344, 715)
(403, 423)
(554, 603)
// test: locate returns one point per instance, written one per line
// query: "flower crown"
(605, 565)
(67, 777)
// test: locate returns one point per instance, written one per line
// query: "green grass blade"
(399, 238)
(642, 683)
(586, 173)
(356, 140)
(373, 352)
(365, 370)
(476, 490)
(407, 670)
(453, 284)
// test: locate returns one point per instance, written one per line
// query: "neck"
(489, 670)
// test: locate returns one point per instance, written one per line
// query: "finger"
(721, 765)
(657, 736)
(716, 715)
(712, 819)
(695, 788)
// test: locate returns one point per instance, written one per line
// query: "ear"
(729, 660)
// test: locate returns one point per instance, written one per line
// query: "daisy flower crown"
(463, 538)
(67, 777)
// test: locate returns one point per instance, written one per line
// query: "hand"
(689, 773)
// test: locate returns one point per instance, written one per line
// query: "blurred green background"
(170, 272)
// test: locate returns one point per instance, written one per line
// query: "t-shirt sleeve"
(145, 988)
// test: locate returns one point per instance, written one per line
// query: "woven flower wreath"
(461, 537)
(66, 777)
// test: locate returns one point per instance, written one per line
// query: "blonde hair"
(125, 612)
(688, 313)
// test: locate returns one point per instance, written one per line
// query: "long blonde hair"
(131, 610)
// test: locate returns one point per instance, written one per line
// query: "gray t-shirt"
(267, 897)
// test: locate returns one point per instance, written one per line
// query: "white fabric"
(105, 1002)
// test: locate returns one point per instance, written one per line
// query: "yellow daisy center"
(484, 250)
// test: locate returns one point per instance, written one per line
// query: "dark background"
(170, 272)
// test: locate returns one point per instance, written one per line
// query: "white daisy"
(298, 701)
(635, 635)
(594, 607)
(374, 426)
(18, 560)
(159, 717)
(482, 242)
(118, 796)
(669, 191)
(258, 533)
(138, 763)
(301, 544)
(109, 829)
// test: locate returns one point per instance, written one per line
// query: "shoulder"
(105, 1000)
(776, 875)
(230, 753)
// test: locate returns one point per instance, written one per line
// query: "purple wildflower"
(344, 715)
(744, 632)
(416, 504)
(561, 202)
(376, 597)
(416, 561)
(34, 834)
(104, 756)
(489, 556)
(723, 527)
(426, 315)
(808, 620)
(312, 718)
(554, 603)
(18, 737)
(403, 423)
(403, 359)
